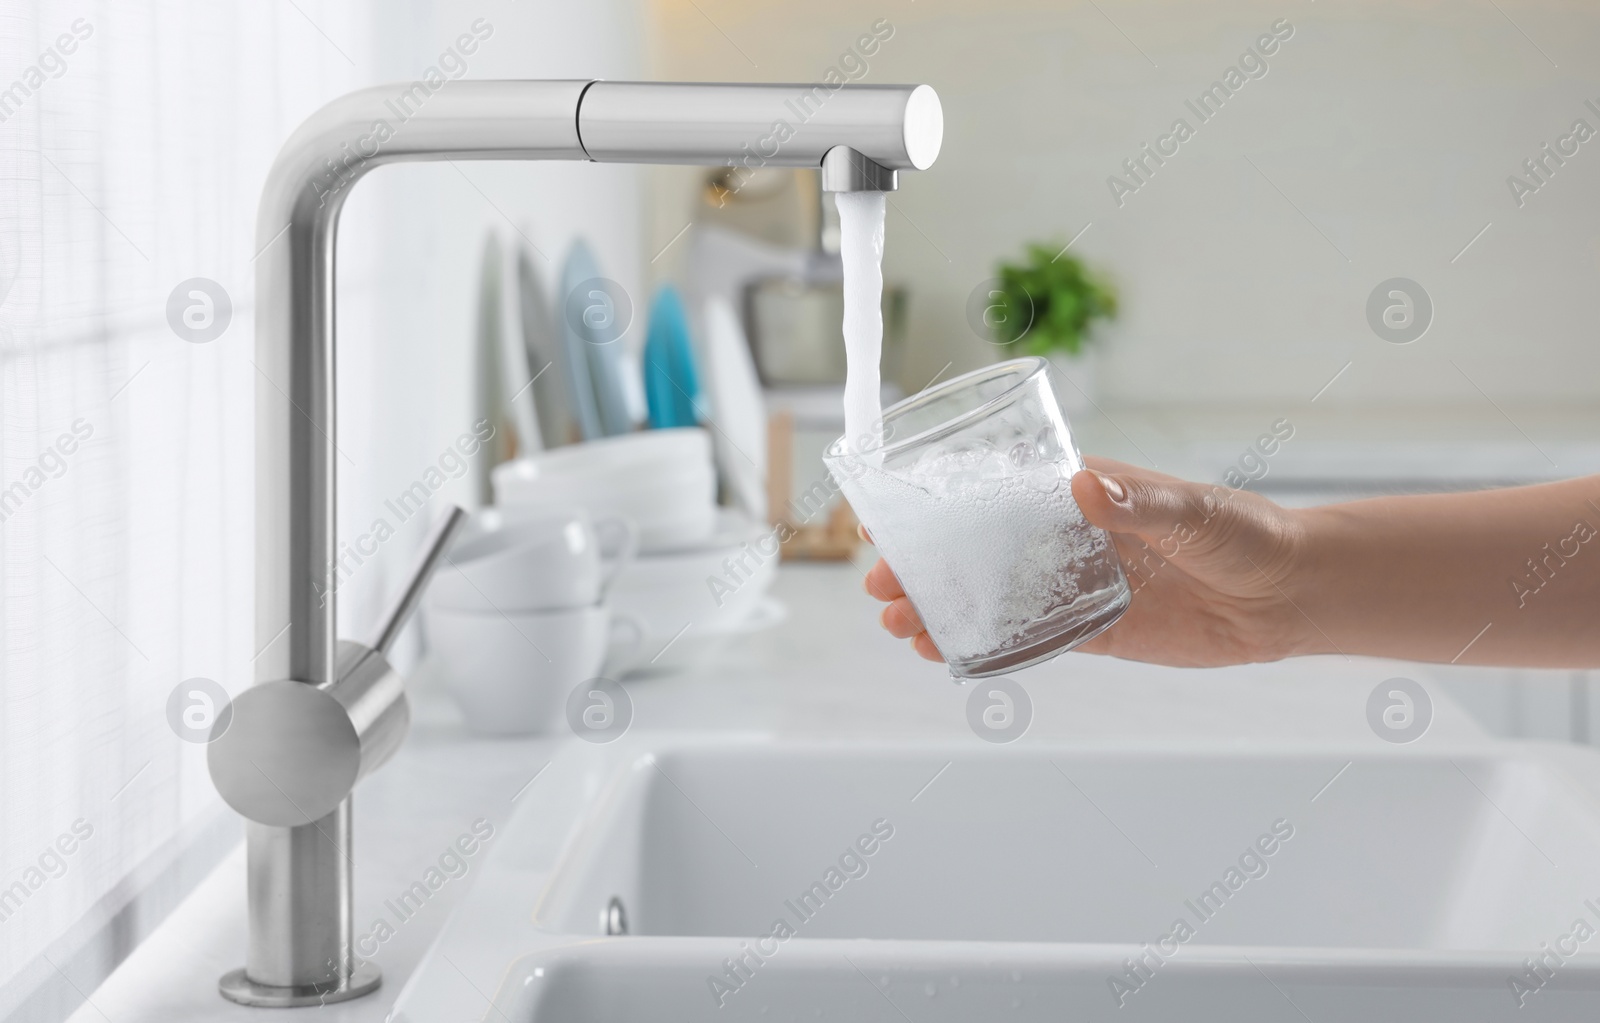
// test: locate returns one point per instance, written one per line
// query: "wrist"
(1306, 580)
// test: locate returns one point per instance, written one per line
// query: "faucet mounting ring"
(237, 987)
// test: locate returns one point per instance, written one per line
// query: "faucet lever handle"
(292, 751)
(443, 531)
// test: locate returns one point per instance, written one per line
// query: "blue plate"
(601, 313)
(671, 386)
(578, 275)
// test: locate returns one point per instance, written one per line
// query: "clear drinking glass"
(969, 500)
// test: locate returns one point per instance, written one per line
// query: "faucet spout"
(860, 136)
(845, 170)
(900, 127)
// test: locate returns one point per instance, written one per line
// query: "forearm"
(1503, 577)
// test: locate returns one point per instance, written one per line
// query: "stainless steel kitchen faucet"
(323, 714)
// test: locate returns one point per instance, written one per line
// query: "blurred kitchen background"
(1377, 145)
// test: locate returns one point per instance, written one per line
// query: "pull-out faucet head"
(859, 136)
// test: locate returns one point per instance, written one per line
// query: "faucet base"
(236, 987)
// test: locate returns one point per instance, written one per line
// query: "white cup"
(537, 561)
(511, 674)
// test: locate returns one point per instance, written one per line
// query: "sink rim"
(549, 808)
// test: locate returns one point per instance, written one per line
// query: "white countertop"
(828, 669)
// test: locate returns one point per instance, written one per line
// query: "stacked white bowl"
(661, 480)
(519, 617)
(699, 578)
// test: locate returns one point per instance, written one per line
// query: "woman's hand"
(1211, 569)
(1219, 576)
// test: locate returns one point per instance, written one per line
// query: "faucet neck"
(297, 578)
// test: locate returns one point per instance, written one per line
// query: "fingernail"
(1112, 488)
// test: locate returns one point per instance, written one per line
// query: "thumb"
(1123, 503)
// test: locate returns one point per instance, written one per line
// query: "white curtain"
(134, 141)
(126, 562)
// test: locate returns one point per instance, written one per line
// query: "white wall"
(1392, 126)
(411, 243)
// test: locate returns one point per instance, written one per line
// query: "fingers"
(1113, 467)
(1127, 503)
(882, 584)
(925, 648)
(901, 619)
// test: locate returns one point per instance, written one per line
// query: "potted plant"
(1049, 304)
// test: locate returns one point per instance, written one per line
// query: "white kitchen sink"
(1023, 882)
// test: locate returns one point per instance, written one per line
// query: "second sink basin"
(666, 878)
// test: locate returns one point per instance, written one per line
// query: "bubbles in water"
(960, 456)
(986, 538)
(992, 473)
(1049, 445)
(1045, 478)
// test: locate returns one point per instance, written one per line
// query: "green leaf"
(1064, 297)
